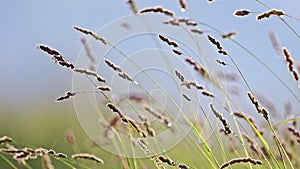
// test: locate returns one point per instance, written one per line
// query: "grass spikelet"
(173, 22)
(208, 94)
(143, 145)
(188, 84)
(127, 120)
(177, 52)
(252, 145)
(294, 131)
(183, 166)
(125, 76)
(136, 127)
(221, 62)
(182, 5)
(22, 155)
(290, 63)
(243, 116)
(186, 97)
(133, 6)
(66, 96)
(46, 162)
(241, 160)
(89, 53)
(90, 72)
(157, 9)
(150, 131)
(227, 129)
(112, 65)
(87, 156)
(115, 110)
(70, 136)
(197, 67)
(179, 75)
(259, 109)
(275, 42)
(56, 56)
(5, 139)
(170, 43)
(103, 88)
(229, 35)
(197, 31)
(269, 13)
(60, 155)
(160, 116)
(242, 12)
(187, 22)
(217, 44)
(166, 160)
(92, 34)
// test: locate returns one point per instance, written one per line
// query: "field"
(167, 87)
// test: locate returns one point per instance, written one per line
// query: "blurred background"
(30, 81)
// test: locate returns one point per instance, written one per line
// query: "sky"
(28, 76)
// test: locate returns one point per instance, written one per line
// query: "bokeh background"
(30, 81)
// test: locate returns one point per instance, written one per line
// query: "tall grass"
(214, 118)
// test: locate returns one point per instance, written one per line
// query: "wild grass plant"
(197, 111)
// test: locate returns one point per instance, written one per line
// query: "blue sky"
(29, 77)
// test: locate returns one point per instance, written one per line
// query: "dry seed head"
(183, 166)
(188, 84)
(60, 155)
(150, 131)
(294, 131)
(166, 160)
(70, 136)
(91, 73)
(275, 42)
(185, 97)
(217, 44)
(125, 76)
(177, 52)
(229, 35)
(56, 56)
(243, 116)
(173, 22)
(160, 116)
(227, 129)
(179, 75)
(92, 34)
(259, 109)
(197, 31)
(240, 160)
(157, 9)
(170, 43)
(133, 6)
(115, 109)
(208, 94)
(252, 145)
(89, 53)
(221, 62)
(138, 129)
(290, 62)
(66, 96)
(46, 162)
(103, 88)
(112, 65)
(188, 22)
(269, 13)
(5, 139)
(182, 5)
(242, 12)
(87, 156)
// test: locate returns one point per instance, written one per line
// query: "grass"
(179, 112)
